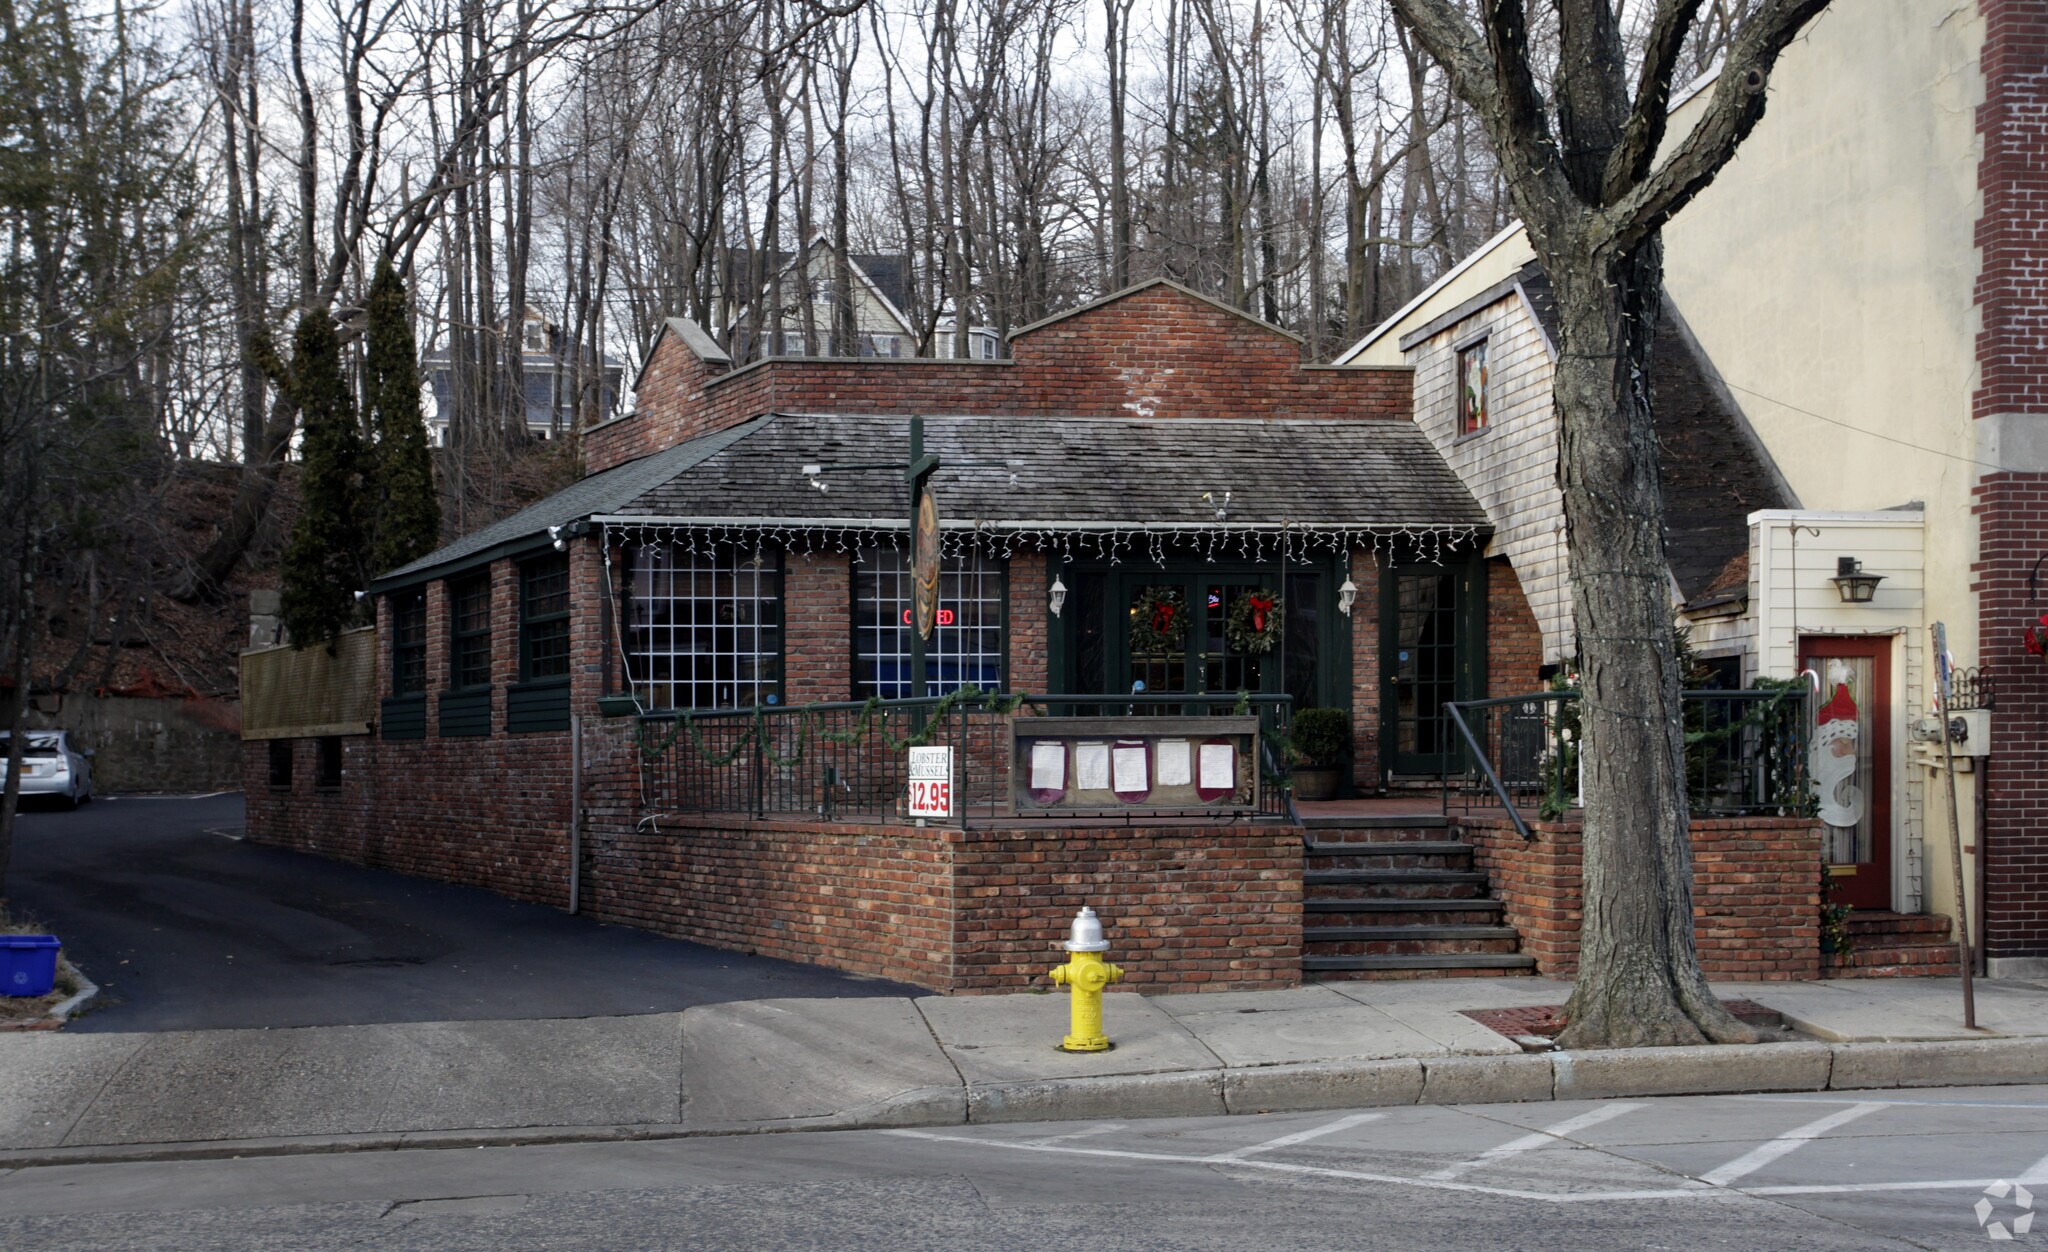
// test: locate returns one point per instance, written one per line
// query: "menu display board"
(1125, 764)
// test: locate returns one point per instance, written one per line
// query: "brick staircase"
(1397, 897)
(1896, 945)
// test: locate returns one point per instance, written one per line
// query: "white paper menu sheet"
(1091, 766)
(1176, 767)
(1127, 768)
(1219, 767)
(1048, 766)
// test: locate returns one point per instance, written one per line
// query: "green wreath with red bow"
(1253, 626)
(1159, 622)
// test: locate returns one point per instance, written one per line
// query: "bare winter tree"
(1583, 169)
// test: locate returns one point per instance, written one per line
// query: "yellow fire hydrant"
(1087, 973)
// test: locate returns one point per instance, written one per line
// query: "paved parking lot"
(1895, 1169)
(187, 927)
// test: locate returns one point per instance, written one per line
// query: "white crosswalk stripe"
(1786, 1144)
(1300, 1136)
(1542, 1138)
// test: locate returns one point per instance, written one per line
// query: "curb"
(1311, 1086)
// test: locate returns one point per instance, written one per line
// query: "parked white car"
(52, 766)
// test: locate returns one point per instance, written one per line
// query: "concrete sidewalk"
(893, 1061)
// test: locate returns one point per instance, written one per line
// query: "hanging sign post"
(1944, 669)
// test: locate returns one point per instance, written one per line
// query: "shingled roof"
(1045, 473)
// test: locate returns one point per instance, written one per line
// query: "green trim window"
(704, 626)
(408, 643)
(544, 619)
(469, 633)
(966, 645)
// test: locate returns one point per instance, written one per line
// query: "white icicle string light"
(1290, 542)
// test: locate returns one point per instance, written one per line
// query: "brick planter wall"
(1188, 907)
(1756, 895)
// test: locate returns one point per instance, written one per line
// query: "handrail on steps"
(1486, 767)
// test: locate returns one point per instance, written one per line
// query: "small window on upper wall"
(1472, 388)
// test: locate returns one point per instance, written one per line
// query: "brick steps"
(1388, 900)
(1896, 945)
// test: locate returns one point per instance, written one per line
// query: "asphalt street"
(185, 926)
(1877, 1170)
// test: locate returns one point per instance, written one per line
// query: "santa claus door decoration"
(1849, 766)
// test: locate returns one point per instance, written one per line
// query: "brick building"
(656, 696)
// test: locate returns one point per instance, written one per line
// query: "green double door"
(1432, 651)
(1188, 650)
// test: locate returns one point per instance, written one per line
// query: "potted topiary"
(1319, 740)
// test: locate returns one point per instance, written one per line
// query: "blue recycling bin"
(28, 964)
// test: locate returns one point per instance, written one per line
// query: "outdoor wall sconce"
(1856, 586)
(1347, 595)
(1056, 598)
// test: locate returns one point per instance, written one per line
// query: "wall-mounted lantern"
(1347, 595)
(1856, 586)
(1056, 598)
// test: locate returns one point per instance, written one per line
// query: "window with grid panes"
(408, 643)
(544, 619)
(966, 646)
(469, 635)
(704, 626)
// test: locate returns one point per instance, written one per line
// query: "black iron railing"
(847, 761)
(1745, 753)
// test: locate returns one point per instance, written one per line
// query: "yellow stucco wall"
(1828, 273)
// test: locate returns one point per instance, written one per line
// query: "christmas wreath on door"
(1253, 626)
(1159, 622)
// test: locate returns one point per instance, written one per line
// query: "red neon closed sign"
(945, 617)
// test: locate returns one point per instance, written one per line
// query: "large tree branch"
(1491, 74)
(1591, 91)
(1734, 110)
(1629, 163)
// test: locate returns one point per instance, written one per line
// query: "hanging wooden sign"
(924, 563)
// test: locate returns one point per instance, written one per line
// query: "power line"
(1832, 421)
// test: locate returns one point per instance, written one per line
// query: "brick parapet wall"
(2012, 228)
(1756, 895)
(2012, 533)
(1155, 352)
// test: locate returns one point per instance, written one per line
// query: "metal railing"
(846, 761)
(1745, 754)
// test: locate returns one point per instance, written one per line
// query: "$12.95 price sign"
(931, 782)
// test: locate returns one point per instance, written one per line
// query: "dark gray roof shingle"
(1041, 472)
(599, 493)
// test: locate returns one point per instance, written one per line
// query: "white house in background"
(881, 293)
(550, 400)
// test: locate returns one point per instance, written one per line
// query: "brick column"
(2012, 507)
(817, 628)
(1030, 622)
(1514, 642)
(1365, 672)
